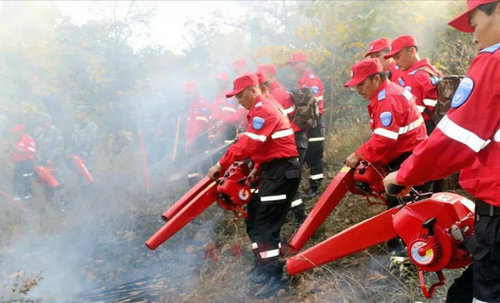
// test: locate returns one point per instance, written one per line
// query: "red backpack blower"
(229, 191)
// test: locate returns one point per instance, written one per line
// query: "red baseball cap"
(297, 57)
(223, 76)
(239, 64)
(400, 43)
(189, 87)
(361, 70)
(18, 128)
(261, 77)
(266, 69)
(243, 82)
(378, 45)
(461, 22)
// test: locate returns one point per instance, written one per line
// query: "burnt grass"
(96, 253)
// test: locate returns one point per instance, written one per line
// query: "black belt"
(268, 165)
(486, 209)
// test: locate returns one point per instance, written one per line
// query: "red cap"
(223, 76)
(18, 128)
(461, 22)
(298, 57)
(239, 64)
(243, 82)
(400, 43)
(261, 77)
(361, 70)
(189, 87)
(267, 69)
(378, 45)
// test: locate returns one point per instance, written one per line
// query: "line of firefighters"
(402, 90)
(43, 153)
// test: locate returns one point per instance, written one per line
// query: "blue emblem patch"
(204, 111)
(258, 122)
(401, 82)
(381, 95)
(408, 88)
(258, 104)
(230, 101)
(386, 118)
(315, 89)
(463, 92)
(312, 76)
(435, 80)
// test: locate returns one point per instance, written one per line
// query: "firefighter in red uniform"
(223, 110)
(396, 124)
(314, 155)
(23, 154)
(269, 142)
(418, 76)
(279, 92)
(197, 127)
(378, 49)
(468, 139)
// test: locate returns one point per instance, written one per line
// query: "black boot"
(311, 193)
(299, 213)
(273, 285)
(258, 275)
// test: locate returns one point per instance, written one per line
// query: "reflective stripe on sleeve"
(201, 118)
(269, 253)
(228, 109)
(255, 136)
(316, 177)
(296, 203)
(272, 198)
(193, 175)
(421, 108)
(496, 137)
(282, 133)
(411, 126)
(31, 149)
(316, 139)
(430, 102)
(289, 110)
(254, 245)
(462, 135)
(386, 133)
(407, 94)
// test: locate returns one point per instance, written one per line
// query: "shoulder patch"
(315, 89)
(401, 82)
(435, 80)
(491, 49)
(258, 122)
(396, 67)
(312, 76)
(386, 118)
(381, 95)
(463, 92)
(204, 111)
(408, 88)
(258, 104)
(413, 72)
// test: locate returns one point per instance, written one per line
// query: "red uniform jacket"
(468, 137)
(198, 118)
(419, 83)
(279, 93)
(312, 81)
(223, 108)
(267, 137)
(397, 125)
(27, 144)
(395, 73)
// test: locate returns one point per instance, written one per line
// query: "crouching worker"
(397, 125)
(269, 142)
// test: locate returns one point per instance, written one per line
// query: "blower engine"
(368, 182)
(230, 191)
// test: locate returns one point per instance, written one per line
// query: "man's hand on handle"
(393, 188)
(213, 172)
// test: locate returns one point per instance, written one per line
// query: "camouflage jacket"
(50, 143)
(83, 138)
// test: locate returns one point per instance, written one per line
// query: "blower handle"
(393, 189)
